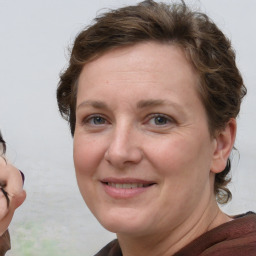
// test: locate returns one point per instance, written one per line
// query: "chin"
(122, 223)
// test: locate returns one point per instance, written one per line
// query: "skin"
(140, 120)
(11, 177)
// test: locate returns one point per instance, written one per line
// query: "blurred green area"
(34, 239)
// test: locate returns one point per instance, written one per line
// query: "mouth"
(127, 185)
(125, 188)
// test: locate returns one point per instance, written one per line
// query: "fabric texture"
(5, 243)
(234, 238)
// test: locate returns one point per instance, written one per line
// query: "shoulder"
(237, 237)
(5, 243)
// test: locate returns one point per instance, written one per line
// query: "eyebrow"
(141, 104)
(93, 103)
(152, 103)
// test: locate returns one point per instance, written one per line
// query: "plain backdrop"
(34, 40)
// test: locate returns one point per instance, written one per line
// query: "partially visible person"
(12, 195)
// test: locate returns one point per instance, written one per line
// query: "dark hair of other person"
(221, 87)
(3, 184)
(3, 145)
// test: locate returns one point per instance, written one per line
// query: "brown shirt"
(234, 238)
(5, 243)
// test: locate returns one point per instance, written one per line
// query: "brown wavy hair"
(221, 86)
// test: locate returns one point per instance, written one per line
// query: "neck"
(166, 244)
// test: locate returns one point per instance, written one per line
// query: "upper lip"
(126, 180)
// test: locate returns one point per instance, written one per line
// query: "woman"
(151, 94)
(12, 196)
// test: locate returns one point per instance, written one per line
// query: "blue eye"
(97, 120)
(160, 120)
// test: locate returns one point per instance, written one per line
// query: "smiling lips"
(121, 189)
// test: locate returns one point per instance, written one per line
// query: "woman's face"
(142, 148)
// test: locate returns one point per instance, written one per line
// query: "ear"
(224, 143)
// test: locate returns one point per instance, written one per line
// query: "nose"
(124, 148)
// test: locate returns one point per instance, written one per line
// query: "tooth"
(126, 185)
(119, 185)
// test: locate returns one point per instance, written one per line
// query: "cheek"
(184, 168)
(182, 156)
(86, 160)
(87, 155)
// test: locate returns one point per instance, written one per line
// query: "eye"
(95, 120)
(98, 120)
(160, 120)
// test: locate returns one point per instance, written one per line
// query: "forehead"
(148, 48)
(148, 70)
(144, 57)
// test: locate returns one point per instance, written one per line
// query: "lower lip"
(123, 193)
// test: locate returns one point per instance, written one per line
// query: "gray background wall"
(33, 48)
